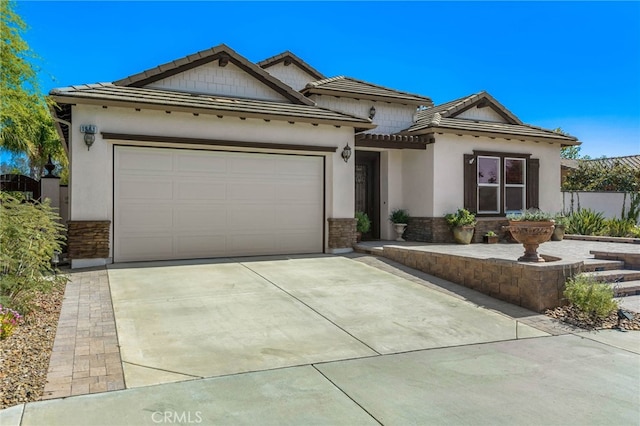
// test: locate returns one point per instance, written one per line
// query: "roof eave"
(352, 95)
(437, 129)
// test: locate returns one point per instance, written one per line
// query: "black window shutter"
(470, 190)
(533, 184)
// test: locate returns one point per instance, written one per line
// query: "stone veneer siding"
(436, 230)
(88, 239)
(342, 233)
(533, 286)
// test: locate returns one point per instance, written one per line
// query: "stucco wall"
(291, 75)
(391, 196)
(215, 80)
(448, 169)
(91, 182)
(390, 118)
(608, 203)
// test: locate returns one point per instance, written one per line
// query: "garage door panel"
(145, 161)
(136, 217)
(193, 204)
(189, 218)
(202, 191)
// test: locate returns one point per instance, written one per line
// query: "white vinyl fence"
(609, 203)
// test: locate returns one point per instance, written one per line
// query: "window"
(500, 183)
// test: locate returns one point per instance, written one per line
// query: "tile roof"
(188, 62)
(453, 108)
(113, 95)
(443, 118)
(352, 88)
(632, 161)
(288, 56)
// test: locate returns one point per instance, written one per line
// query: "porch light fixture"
(346, 153)
(89, 131)
(372, 112)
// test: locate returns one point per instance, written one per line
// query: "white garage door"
(185, 204)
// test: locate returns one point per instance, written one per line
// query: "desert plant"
(561, 219)
(462, 217)
(531, 215)
(586, 222)
(619, 227)
(29, 235)
(363, 223)
(590, 296)
(490, 234)
(399, 216)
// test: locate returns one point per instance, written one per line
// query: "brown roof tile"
(112, 95)
(632, 161)
(287, 55)
(188, 62)
(352, 88)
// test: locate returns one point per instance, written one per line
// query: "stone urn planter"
(463, 234)
(531, 234)
(558, 233)
(399, 228)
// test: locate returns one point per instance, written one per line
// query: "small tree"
(29, 235)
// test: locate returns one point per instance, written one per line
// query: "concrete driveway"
(331, 340)
(184, 320)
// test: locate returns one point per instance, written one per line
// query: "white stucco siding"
(391, 196)
(390, 118)
(448, 169)
(212, 79)
(291, 75)
(482, 114)
(417, 181)
(91, 182)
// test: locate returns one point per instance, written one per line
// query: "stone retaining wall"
(534, 286)
(88, 239)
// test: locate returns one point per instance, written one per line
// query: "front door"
(368, 189)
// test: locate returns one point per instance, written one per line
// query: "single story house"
(212, 155)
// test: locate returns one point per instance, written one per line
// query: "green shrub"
(531, 215)
(462, 217)
(29, 235)
(363, 223)
(591, 297)
(619, 227)
(399, 216)
(9, 319)
(586, 222)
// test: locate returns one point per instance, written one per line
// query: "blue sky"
(574, 65)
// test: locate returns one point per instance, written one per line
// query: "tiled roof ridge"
(324, 81)
(265, 63)
(613, 158)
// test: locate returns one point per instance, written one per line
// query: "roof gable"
(223, 55)
(287, 58)
(461, 108)
(358, 89)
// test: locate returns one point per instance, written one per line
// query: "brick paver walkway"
(86, 356)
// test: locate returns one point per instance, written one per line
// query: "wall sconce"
(346, 153)
(372, 112)
(89, 131)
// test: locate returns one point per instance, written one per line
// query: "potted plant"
(462, 223)
(531, 228)
(363, 224)
(399, 218)
(490, 238)
(561, 224)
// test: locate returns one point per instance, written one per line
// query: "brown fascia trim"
(198, 62)
(339, 94)
(366, 140)
(484, 153)
(216, 142)
(72, 100)
(495, 135)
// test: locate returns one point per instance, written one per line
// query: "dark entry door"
(368, 189)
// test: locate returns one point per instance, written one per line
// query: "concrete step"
(615, 275)
(361, 248)
(626, 288)
(591, 265)
(630, 303)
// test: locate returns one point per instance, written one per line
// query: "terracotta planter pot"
(490, 239)
(463, 234)
(399, 228)
(531, 235)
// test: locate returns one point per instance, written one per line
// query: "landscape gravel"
(24, 356)
(572, 315)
